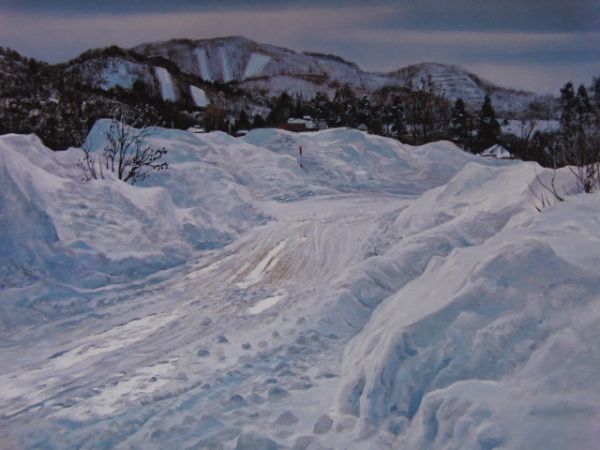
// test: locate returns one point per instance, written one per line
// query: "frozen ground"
(384, 296)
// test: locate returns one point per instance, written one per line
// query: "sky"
(536, 45)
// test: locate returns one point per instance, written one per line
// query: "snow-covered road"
(382, 297)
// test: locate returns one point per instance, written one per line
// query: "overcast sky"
(530, 44)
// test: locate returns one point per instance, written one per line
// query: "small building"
(298, 125)
(196, 130)
(497, 152)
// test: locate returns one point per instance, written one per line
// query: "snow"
(523, 129)
(496, 151)
(117, 72)
(225, 68)
(199, 96)
(256, 65)
(266, 303)
(203, 66)
(383, 296)
(167, 89)
(307, 122)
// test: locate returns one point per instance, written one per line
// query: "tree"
(488, 128)
(459, 129)
(214, 118)
(581, 137)
(243, 122)
(126, 153)
(427, 113)
(398, 118)
(282, 110)
(344, 107)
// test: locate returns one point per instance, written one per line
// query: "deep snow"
(382, 296)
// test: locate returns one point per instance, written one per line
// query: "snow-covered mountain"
(381, 296)
(113, 67)
(275, 70)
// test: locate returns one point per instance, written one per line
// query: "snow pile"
(381, 296)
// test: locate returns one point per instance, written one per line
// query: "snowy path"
(202, 355)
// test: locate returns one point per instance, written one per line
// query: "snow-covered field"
(384, 296)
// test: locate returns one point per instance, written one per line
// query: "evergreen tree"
(282, 110)
(258, 121)
(243, 122)
(568, 116)
(488, 128)
(460, 125)
(321, 107)
(345, 106)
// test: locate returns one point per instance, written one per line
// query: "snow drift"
(382, 296)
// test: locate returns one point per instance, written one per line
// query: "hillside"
(274, 69)
(382, 296)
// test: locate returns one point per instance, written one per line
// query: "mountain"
(382, 296)
(177, 80)
(273, 69)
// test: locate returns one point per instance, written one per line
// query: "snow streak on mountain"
(381, 296)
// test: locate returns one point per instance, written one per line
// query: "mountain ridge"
(277, 69)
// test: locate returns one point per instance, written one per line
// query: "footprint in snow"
(286, 419)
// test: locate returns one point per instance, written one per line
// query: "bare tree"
(126, 153)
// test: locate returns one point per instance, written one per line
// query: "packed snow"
(381, 296)
(199, 96)
(256, 65)
(167, 88)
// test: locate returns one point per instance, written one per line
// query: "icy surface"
(382, 296)
(167, 89)
(199, 96)
(256, 65)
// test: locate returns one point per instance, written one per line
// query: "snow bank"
(483, 348)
